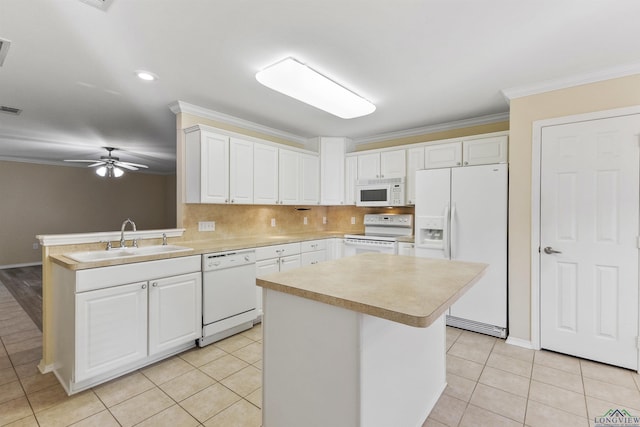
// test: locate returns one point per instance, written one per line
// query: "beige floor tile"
(500, 402)
(448, 410)
(430, 422)
(475, 353)
(558, 398)
(558, 378)
(14, 410)
(29, 421)
(27, 344)
(187, 385)
(28, 370)
(459, 387)
(101, 419)
(17, 325)
(38, 382)
(478, 417)
(240, 414)
(539, 415)
(453, 333)
(610, 392)
(244, 382)
(123, 388)
(209, 402)
(47, 397)
(166, 370)
(221, 368)
(5, 362)
(464, 368)
(233, 343)
(510, 364)
(505, 381)
(74, 409)
(608, 374)
(7, 375)
(480, 340)
(26, 356)
(21, 336)
(599, 407)
(251, 353)
(255, 397)
(558, 361)
(171, 417)
(201, 356)
(510, 350)
(10, 391)
(254, 333)
(141, 407)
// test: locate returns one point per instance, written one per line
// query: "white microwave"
(380, 192)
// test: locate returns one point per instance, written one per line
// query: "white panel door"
(443, 155)
(415, 162)
(350, 178)
(288, 177)
(215, 168)
(240, 171)
(589, 215)
(290, 262)
(393, 164)
(265, 174)
(309, 179)
(485, 151)
(368, 166)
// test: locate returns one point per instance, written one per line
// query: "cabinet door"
(289, 262)
(332, 173)
(369, 166)
(111, 329)
(288, 177)
(406, 249)
(240, 171)
(263, 268)
(265, 174)
(485, 151)
(415, 162)
(351, 176)
(393, 164)
(443, 155)
(214, 185)
(309, 179)
(175, 311)
(309, 258)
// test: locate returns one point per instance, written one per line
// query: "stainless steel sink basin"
(118, 253)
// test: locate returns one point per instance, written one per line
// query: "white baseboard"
(26, 264)
(44, 368)
(518, 342)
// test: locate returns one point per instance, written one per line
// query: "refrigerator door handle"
(452, 232)
(445, 232)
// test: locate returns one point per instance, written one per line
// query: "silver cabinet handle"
(466, 163)
(155, 284)
(550, 250)
(144, 286)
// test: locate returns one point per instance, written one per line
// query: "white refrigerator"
(461, 214)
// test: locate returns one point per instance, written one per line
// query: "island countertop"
(409, 290)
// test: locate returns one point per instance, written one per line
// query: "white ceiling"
(70, 66)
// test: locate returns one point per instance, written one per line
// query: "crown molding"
(185, 107)
(567, 82)
(483, 120)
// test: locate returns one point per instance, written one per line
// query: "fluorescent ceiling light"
(298, 81)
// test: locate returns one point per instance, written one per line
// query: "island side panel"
(310, 363)
(402, 370)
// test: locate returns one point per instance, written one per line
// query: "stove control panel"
(391, 220)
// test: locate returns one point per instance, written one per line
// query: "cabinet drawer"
(313, 245)
(314, 257)
(274, 251)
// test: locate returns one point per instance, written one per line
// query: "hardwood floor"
(25, 284)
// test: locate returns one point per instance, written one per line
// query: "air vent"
(10, 110)
(4, 49)
(100, 4)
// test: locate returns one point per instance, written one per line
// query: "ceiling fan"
(110, 166)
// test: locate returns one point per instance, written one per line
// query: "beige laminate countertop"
(409, 290)
(198, 247)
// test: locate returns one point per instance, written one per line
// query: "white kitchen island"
(359, 341)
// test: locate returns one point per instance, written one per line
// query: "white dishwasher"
(228, 294)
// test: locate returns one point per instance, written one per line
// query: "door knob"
(550, 250)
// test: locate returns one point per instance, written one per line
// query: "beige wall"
(43, 199)
(610, 94)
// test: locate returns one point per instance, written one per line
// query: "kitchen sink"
(118, 253)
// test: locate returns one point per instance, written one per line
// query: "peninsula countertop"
(409, 290)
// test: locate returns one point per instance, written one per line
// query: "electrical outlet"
(305, 221)
(324, 219)
(35, 246)
(207, 226)
(353, 220)
(273, 222)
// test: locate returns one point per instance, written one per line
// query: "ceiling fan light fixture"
(101, 171)
(117, 172)
(146, 76)
(294, 79)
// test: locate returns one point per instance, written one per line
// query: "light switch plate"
(273, 222)
(207, 226)
(305, 221)
(353, 220)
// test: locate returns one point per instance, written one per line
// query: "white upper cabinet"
(207, 167)
(350, 178)
(289, 177)
(415, 162)
(332, 171)
(240, 171)
(443, 155)
(386, 164)
(309, 179)
(484, 151)
(265, 174)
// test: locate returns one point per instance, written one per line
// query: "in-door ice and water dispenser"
(430, 232)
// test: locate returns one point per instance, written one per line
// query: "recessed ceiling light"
(146, 75)
(298, 81)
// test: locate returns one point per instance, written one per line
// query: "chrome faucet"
(124, 224)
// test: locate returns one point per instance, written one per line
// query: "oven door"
(361, 246)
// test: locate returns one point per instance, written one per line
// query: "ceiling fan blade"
(125, 165)
(96, 164)
(81, 161)
(137, 165)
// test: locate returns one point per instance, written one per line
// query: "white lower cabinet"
(313, 252)
(112, 320)
(406, 249)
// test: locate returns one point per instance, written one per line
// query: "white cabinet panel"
(240, 171)
(406, 249)
(369, 166)
(309, 258)
(415, 162)
(351, 176)
(443, 155)
(309, 179)
(111, 329)
(175, 311)
(289, 177)
(393, 164)
(313, 245)
(484, 151)
(265, 174)
(290, 262)
(207, 167)
(332, 171)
